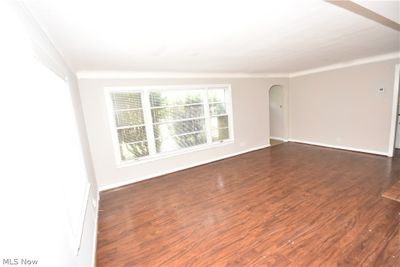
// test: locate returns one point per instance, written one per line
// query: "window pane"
(132, 151)
(179, 142)
(126, 100)
(220, 134)
(129, 118)
(176, 128)
(178, 119)
(189, 140)
(216, 95)
(217, 109)
(173, 98)
(219, 122)
(177, 113)
(134, 134)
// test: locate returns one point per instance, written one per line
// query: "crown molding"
(183, 75)
(170, 75)
(346, 64)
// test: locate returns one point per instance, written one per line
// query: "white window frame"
(145, 90)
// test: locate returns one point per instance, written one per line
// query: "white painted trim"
(183, 151)
(43, 41)
(143, 75)
(356, 62)
(96, 223)
(130, 181)
(393, 125)
(86, 74)
(77, 240)
(278, 138)
(144, 90)
(340, 147)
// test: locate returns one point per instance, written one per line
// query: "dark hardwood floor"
(288, 205)
(393, 192)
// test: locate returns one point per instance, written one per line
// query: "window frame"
(148, 123)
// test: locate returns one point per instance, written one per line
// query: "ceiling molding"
(361, 61)
(171, 75)
(183, 75)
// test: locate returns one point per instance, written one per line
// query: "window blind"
(178, 119)
(156, 121)
(129, 122)
(218, 114)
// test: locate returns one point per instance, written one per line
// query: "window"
(154, 121)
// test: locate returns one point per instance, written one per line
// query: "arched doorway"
(276, 115)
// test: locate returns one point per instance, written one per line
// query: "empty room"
(199, 133)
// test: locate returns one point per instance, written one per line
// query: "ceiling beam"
(365, 12)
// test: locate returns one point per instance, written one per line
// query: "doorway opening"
(396, 152)
(394, 138)
(277, 115)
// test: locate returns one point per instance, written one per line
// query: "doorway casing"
(395, 106)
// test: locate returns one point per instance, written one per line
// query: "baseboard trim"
(340, 147)
(131, 181)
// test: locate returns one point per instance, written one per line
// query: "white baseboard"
(341, 147)
(130, 181)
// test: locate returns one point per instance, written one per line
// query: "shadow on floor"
(275, 142)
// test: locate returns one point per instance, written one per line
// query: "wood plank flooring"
(287, 205)
(393, 192)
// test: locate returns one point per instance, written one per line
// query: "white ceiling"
(244, 36)
(388, 9)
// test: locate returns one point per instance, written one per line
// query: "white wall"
(251, 127)
(44, 150)
(344, 107)
(276, 114)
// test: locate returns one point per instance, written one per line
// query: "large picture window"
(154, 121)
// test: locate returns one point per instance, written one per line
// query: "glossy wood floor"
(288, 205)
(393, 192)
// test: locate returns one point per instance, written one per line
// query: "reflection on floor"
(296, 205)
(275, 142)
(393, 192)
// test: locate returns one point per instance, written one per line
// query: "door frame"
(395, 106)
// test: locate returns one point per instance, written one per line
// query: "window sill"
(171, 154)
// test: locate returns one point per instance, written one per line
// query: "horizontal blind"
(178, 119)
(155, 121)
(129, 122)
(219, 121)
